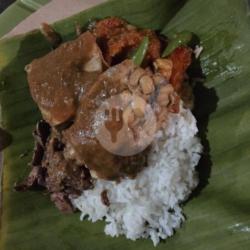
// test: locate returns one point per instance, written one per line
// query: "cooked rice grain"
(149, 206)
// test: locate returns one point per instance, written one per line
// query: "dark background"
(4, 4)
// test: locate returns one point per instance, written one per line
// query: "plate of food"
(130, 128)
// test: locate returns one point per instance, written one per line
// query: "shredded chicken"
(117, 39)
(181, 58)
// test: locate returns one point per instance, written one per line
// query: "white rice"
(149, 206)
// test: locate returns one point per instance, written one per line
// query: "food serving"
(118, 140)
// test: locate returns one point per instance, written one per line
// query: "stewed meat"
(60, 78)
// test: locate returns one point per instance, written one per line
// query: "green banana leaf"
(218, 214)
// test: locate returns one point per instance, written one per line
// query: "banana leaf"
(218, 213)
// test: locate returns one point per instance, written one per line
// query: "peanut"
(139, 106)
(166, 89)
(162, 117)
(128, 115)
(164, 95)
(135, 77)
(163, 99)
(125, 95)
(147, 85)
(164, 66)
(159, 79)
